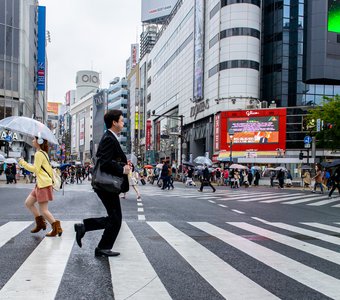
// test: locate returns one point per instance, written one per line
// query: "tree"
(329, 115)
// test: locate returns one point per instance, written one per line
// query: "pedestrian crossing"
(258, 259)
(263, 197)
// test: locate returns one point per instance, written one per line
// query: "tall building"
(22, 79)
(117, 98)
(288, 31)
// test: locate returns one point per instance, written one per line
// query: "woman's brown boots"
(56, 229)
(40, 223)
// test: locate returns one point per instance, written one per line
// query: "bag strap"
(48, 162)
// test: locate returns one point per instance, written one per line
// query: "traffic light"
(301, 155)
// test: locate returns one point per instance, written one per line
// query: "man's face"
(119, 125)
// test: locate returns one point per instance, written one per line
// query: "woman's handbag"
(104, 181)
(56, 180)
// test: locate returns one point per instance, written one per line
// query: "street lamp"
(231, 135)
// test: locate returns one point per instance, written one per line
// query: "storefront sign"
(9, 136)
(198, 108)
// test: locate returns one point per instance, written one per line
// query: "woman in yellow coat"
(43, 191)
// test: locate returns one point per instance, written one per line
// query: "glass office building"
(283, 56)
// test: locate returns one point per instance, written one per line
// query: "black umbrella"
(331, 164)
(189, 164)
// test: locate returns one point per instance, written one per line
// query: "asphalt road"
(255, 243)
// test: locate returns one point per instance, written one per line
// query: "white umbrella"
(237, 166)
(159, 166)
(10, 161)
(256, 168)
(281, 168)
(55, 164)
(132, 157)
(78, 163)
(201, 160)
(2, 158)
(28, 126)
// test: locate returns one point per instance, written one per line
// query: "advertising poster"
(253, 130)
(155, 9)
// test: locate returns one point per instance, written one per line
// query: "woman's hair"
(112, 115)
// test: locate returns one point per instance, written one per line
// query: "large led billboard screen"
(334, 16)
(256, 130)
(253, 130)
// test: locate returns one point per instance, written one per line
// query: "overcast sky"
(88, 35)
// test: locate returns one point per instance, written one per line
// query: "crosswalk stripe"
(10, 230)
(317, 235)
(283, 198)
(40, 275)
(338, 205)
(323, 202)
(323, 226)
(133, 276)
(308, 276)
(254, 195)
(323, 253)
(213, 269)
(301, 196)
(304, 200)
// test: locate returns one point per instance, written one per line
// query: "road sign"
(307, 139)
(307, 146)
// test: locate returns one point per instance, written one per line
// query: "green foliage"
(329, 113)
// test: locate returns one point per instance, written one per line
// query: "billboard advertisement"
(199, 50)
(41, 71)
(334, 16)
(53, 107)
(155, 9)
(255, 130)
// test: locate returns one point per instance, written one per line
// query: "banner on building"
(74, 131)
(68, 98)
(148, 135)
(134, 55)
(334, 16)
(82, 132)
(41, 57)
(217, 131)
(199, 51)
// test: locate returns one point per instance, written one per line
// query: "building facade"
(212, 57)
(81, 113)
(19, 94)
(206, 60)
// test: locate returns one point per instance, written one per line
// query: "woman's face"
(35, 143)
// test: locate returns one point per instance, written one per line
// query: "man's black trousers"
(111, 224)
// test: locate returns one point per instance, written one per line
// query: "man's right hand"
(126, 170)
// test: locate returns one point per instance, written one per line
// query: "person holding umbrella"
(43, 191)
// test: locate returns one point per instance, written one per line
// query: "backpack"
(56, 180)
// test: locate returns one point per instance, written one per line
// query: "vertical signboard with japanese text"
(134, 55)
(217, 131)
(148, 135)
(199, 50)
(74, 131)
(82, 132)
(41, 57)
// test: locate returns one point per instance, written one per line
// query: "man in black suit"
(206, 179)
(113, 161)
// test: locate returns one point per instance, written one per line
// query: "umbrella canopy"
(331, 164)
(280, 168)
(256, 168)
(77, 163)
(189, 164)
(159, 166)
(201, 160)
(132, 157)
(148, 167)
(2, 158)
(64, 166)
(10, 161)
(306, 167)
(237, 166)
(55, 164)
(28, 126)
